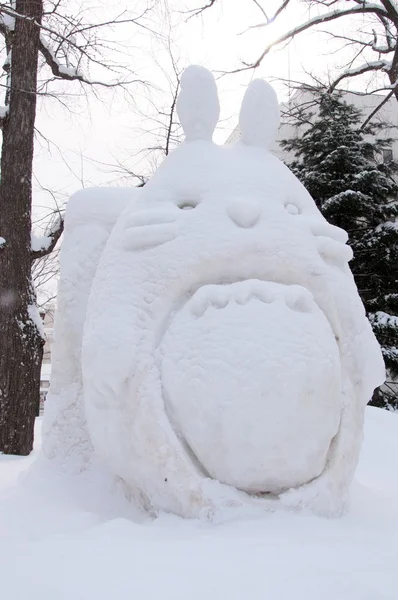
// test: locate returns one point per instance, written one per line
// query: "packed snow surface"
(35, 317)
(40, 242)
(197, 378)
(197, 104)
(259, 125)
(8, 21)
(210, 342)
(76, 538)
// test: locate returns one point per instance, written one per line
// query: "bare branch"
(261, 9)
(268, 20)
(197, 11)
(391, 10)
(64, 71)
(366, 68)
(379, 106)
(357, 42)
(323, 18)
(70, 74)
(279, 10)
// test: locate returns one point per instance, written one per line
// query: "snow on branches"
(43, 245)
(69, 45)
(372, 46)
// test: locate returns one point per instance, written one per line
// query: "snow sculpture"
(226, 357)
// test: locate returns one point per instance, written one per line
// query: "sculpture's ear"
(259, 115)
(197, 105)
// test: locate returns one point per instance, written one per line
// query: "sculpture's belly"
(253, 386)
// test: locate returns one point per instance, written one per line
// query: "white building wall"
(388, 113)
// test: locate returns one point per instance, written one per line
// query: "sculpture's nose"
(244, 213)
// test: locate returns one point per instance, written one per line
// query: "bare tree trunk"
(21, 345)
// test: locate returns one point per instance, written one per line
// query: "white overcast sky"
(94, 132)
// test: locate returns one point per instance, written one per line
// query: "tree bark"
(21, 344)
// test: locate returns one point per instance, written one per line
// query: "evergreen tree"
(342, 167)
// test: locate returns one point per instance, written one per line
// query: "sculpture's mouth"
(218, 296)
(248, 370)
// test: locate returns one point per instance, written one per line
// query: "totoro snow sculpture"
(226, 356)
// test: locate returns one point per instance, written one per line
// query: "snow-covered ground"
(75, 539)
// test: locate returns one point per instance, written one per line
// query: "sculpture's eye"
(292, 209)
(187, 204)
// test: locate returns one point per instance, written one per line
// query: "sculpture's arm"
(89, 219)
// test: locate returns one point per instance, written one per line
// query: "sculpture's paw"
(321, 496)
(222, 503)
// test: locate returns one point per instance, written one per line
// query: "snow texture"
(259, 126)
(8, 21)
(2, 242)
(90, 216)
(197, 104)
(35, 317)
(385, 319)
(226, 352)
(70, 71)
(40, 242)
